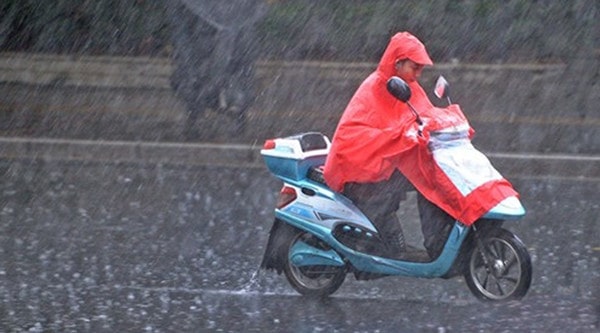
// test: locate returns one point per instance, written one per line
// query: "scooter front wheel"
(313, 281)
(499, 267)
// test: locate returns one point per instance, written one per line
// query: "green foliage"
(75, 26)
(468, 30)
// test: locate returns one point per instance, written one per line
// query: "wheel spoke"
(511, 279)
(486, 280)
(503, 250)
(494, 250)
(500, 290)
(510, 262)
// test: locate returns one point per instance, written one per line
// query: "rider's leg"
(379, 202)
(435, 226)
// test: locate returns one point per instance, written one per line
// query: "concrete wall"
(523, 108)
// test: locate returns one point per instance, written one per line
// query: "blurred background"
(207, 71)
(133, 196)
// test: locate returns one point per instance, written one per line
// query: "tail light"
(286, 196)
(269, 144)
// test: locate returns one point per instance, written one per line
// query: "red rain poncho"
(377, 134)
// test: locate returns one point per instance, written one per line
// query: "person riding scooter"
(374, 133)
(390, 139)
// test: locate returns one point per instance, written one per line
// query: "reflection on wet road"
(129, 247)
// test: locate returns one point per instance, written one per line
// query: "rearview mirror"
(399, 89)
(442, 88)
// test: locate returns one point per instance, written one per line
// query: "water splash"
(253, 285)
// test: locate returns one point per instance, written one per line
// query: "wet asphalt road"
(129, 247)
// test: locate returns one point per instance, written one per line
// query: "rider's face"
(408, 70)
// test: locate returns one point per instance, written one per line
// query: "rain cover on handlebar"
(451, 172)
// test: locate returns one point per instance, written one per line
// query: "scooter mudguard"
(508, 209)
(276, 250)
(303, 254)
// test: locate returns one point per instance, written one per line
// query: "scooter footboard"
(436, 268)
(364, 262)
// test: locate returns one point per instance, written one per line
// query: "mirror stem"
(418, 120)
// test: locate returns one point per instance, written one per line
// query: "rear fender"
(276, 250)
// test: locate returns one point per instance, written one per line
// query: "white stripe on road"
(529, 165)
(245, 147)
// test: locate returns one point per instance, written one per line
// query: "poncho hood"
(403, 45)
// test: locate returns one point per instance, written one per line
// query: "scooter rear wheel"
(499, 267)
(313, 281)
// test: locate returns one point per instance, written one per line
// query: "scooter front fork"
(481, 249)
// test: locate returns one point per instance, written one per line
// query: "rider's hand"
(423, 135)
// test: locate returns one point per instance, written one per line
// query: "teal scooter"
(319, 236)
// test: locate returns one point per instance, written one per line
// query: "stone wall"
(524, 108)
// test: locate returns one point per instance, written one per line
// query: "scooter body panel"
(369, 263)
(320, 205)
(508, 209)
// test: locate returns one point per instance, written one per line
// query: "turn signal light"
(286, 196)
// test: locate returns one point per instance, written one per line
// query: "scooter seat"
(316, 174)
